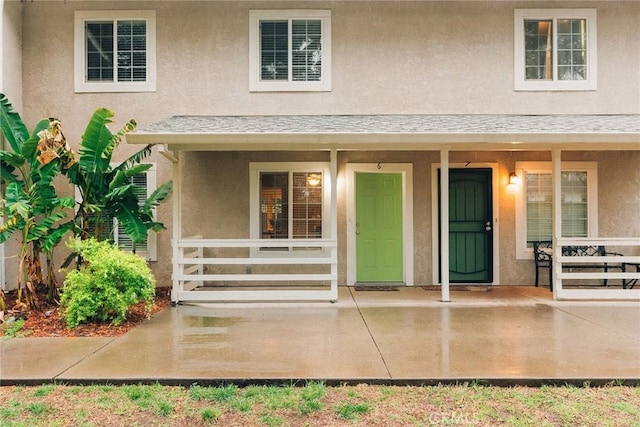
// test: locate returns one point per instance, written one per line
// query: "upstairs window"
(290, 50)
(555, 49)
(115, 51)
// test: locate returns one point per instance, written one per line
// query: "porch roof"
(395, 132)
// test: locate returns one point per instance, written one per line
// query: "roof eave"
(388, 141)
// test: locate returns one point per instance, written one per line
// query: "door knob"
(357, 228)
(487, 226)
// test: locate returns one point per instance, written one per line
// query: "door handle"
(357, 228)
(487, 226)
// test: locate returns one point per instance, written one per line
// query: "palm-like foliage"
(31, 205)
(105, 191)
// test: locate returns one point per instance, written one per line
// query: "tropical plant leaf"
(44, 227)
(159, 195)
(17, 201)
(31, 144)
(95, 145)
(15, 160)
(133, 226)
(11, 225)
(6, 173)
(54, 237)
(13, 128)
(134, 159)
(121, 193)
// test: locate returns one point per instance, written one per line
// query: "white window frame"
(591, 168)
(150, 253)
(521, 84)
(258, 85)
(255, 168)
(80, 49)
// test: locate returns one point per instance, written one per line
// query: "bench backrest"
(583, 251)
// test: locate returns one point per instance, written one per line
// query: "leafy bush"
(107, 284)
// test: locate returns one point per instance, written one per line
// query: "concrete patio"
(507, 335)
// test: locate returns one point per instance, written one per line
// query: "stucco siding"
(388, 57)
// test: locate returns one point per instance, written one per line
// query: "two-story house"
(312, 143)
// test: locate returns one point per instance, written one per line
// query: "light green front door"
(379, 247)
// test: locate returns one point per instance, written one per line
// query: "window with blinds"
(114, 51)
(291, 205)
(290, 50)
(539, 207)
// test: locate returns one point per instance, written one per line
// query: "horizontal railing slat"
(256, 277)
(259, 261)
(256, 243)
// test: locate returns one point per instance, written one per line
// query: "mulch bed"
(46, 320)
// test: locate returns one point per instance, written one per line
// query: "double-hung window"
(288, 201)
(115, 51)
(578, 204)
(290, 50)
(555, 49)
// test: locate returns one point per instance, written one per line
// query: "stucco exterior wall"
(388, 57)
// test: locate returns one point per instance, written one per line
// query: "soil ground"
(47, 321)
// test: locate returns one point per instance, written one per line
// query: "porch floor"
(508, 335)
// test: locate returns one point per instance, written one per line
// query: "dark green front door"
(470, 226)
(379, 247)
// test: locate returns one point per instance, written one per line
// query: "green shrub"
(106, 285)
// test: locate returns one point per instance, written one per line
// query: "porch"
(342, 146)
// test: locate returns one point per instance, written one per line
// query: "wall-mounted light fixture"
(514, 178)
(314, 179)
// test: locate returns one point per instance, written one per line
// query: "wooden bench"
(543, 258)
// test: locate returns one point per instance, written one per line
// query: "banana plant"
(105, 190)
(30, 204)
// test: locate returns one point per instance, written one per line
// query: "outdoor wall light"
(514, 178)
(314, 180)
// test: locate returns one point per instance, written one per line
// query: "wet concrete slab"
(535, 342)
(36, 360)
(508, 334)
(207, 343)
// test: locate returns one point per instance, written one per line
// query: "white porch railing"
(235, 279)
(624, 245)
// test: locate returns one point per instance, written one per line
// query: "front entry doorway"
(379, 227)
(379, 212)
(470, 225)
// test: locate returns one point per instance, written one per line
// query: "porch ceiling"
(394, 132)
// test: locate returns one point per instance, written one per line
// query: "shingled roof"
(393, 131)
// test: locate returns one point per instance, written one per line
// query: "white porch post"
(444, 224)
(176, 227)
(334, 221)
(556, 182)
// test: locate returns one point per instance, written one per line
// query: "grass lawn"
(315, 404)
